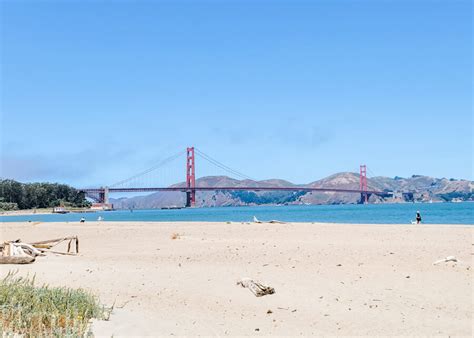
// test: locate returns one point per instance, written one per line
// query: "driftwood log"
(16, 259)
(257, 288)
(256, 220)
(445, 260)
(17, 253)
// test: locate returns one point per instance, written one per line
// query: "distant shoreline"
(26, 212)
(41, 211)
(47, 211)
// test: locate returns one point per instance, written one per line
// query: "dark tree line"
(281, 197)
(465, 196)
(16, 195)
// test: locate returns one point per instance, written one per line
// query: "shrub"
(8, 206)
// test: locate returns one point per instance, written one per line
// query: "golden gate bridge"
(101, 195)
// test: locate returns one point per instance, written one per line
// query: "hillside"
(424, 188)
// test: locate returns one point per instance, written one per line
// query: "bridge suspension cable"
(371, 173)
(154, 167)
(222, 166)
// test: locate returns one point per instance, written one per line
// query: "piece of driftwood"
(17, 248)
(17, 253)
(62, 253)
(445, 260)
(48, 244)
(16, 259)
(257, 288)
(49, 241)
(29, 249)
(256, 220)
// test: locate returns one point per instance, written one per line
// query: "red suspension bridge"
(101, 195)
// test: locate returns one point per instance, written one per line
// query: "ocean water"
(434, 213)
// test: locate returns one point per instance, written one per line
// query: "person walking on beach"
(418, 217)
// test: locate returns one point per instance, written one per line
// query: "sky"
(93, 92)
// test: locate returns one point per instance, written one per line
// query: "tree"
(39, 195)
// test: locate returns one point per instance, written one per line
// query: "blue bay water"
(435, 213)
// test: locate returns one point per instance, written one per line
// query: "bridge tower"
(364, 196)
(190, 178)
(104, 195)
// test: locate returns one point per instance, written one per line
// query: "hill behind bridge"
(424, 188)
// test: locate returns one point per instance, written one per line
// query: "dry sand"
(330, 279)
(24, 212)
(42, 211)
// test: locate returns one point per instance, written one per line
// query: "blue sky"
(92, 92)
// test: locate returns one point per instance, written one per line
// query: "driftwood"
(30, 250)
(16, 259)
(271, 221)
(16, 252)
(48, 244)
(257, 288)
(19, 249)
(62, 253)
(445, 260)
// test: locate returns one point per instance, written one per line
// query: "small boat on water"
(171, 208)
(60, 210)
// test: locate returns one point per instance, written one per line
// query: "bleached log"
(30, 249)
(16, 259)
(257, 288)
(14, 254)
(445, 260)
(256, 220)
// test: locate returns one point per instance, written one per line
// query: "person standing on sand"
(418, 217)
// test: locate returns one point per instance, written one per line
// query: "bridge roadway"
(185, 189)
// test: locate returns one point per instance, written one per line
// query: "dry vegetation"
(45, 311)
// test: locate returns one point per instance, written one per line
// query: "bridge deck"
(184, 189)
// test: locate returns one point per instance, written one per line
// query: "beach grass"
(33, 311)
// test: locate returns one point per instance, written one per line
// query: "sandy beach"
(330, 279)
(41, 211)
(26, 212)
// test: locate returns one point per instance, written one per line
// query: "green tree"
(40, 195)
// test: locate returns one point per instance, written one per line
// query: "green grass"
(45, 311)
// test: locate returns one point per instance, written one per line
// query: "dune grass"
(45, 311)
